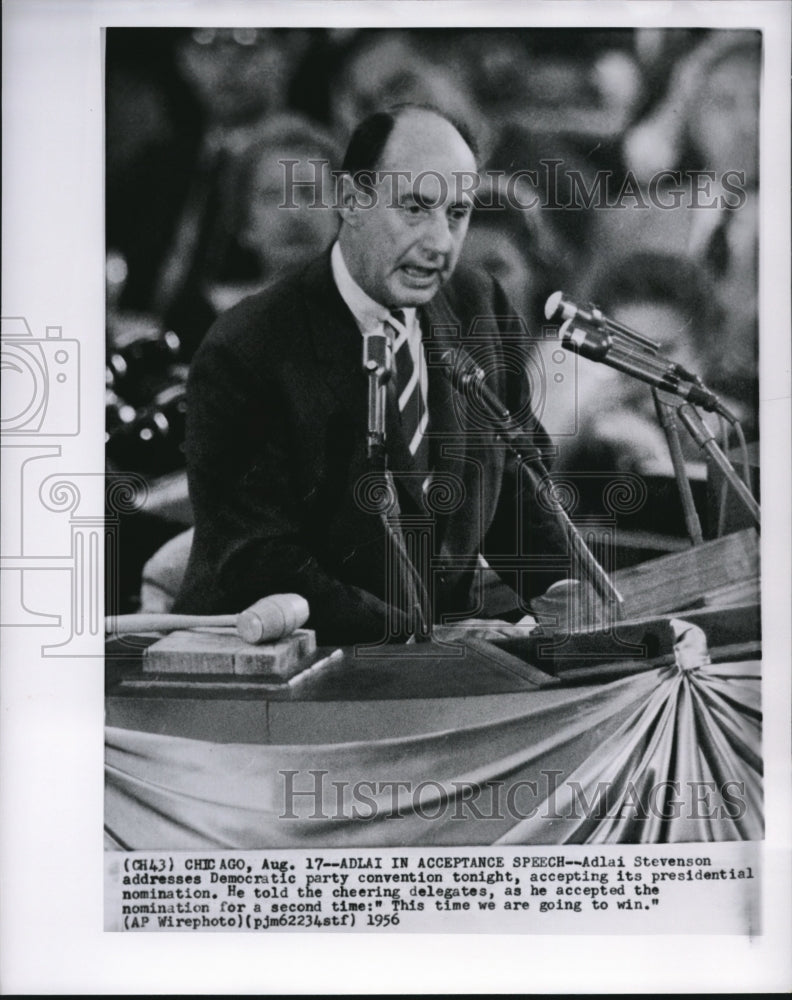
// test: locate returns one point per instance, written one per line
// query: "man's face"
(403, 235)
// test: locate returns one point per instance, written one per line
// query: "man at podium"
(285, 494)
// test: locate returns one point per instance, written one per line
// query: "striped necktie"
(410, 394)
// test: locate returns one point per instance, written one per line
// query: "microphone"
(378, 355)
(378, 366)
(591, 334)
(469, 380)
(657, 372)
(560, 308)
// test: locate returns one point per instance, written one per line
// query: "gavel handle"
(153, 622)
(270, 619)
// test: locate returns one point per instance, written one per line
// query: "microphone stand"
(378, 365)
(666, 414)
(667, 409)
(471, 384)
(705, 439)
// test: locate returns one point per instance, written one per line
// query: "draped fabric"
(662, 756)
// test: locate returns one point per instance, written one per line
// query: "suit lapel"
(442, 340)
(335, 336)
(457, 453)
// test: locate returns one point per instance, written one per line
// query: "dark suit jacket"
(276, 453)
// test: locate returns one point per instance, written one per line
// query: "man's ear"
(350, 201)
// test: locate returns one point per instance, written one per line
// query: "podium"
(718, 572)
(387, 689)
(195, 762)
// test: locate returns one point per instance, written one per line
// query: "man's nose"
(437, 234)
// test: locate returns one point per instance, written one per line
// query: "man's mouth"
(419, 273)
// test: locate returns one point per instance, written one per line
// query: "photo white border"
(51, 937)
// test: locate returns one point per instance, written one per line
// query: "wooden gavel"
(268, 620)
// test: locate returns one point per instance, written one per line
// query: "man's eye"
(458, 214)
(413, 208)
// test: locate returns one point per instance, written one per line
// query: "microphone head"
(378, 354)
(553, 304)
(591, 344)
(565, 333)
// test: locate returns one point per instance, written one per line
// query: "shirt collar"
(368, 313)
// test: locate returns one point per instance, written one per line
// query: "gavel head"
(272, 618)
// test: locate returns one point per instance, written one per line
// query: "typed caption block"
(699, 888)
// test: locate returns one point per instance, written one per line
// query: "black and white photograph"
(425, 550)
(436, 351)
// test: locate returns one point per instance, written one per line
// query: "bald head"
(404, 222)
(368, 141)
(426, 138)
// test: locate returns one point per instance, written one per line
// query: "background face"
(283, 236)
(235, 73)
(725, 124)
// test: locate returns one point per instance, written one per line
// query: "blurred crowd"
(639, 153)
